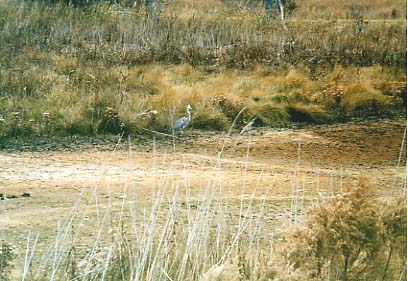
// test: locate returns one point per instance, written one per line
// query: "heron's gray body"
(183, 122)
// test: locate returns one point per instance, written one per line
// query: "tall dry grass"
(105, 68)
(99, 100)
(182, 232)
(349, 9)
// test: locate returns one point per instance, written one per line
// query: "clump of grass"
(8, 253)
(210, 119)
(294, 80)
(269, 114)
(230, 107)
(395, 89)
(364, 101)
(111, 122)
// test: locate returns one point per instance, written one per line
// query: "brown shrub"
(347, 239)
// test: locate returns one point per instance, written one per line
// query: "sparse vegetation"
(8, 253)
(345, 237)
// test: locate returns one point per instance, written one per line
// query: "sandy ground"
(324, 160)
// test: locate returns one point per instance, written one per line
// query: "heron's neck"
(189, 114)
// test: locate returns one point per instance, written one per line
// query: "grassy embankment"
(94, 69)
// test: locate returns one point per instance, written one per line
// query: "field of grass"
(86, 70)
(94, 185)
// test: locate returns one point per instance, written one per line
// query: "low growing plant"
(8, 252)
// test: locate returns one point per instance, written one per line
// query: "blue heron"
(183, 122)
